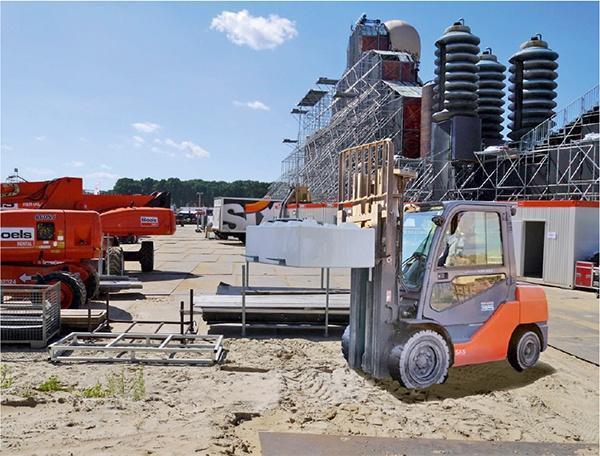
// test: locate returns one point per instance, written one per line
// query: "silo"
(456, 73)
(533, 74)
(490, 92)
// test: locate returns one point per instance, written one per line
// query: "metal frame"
(325, 275)
(117, 345)
(130, 343)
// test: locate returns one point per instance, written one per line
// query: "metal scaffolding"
(559, 159)
(358, 108)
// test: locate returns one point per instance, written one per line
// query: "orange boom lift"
(124, 217)
(52, 246)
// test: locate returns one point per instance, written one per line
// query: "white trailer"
(231, 216)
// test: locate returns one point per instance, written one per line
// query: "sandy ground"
(295, 384)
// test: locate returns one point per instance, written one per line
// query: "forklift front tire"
(524, 349)
(421, 361)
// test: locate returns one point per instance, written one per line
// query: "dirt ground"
(298, 383)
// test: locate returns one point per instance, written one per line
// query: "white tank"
(403, 37)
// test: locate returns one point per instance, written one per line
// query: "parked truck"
(231, 216)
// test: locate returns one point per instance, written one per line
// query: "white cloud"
(75, 164)
(40, 171)
(257, 32)
(256, 105)
(138, 141)
(6, 148)
(102, 175)
(146, 127)
(40, 138)
(190, 149)
(105, 166)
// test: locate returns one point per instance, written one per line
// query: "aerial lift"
(52, 246)
(443, 291)
(153, 217)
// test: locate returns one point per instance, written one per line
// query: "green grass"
(6, 378)
(138, 386)
(119, 385)
(96, 391)
(50, 385)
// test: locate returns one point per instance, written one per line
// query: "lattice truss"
(570, 171)
(559, 159)
(358, 109)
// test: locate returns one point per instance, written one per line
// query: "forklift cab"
(464, 267)
(452, 298)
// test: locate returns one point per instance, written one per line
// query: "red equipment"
(67, 193)
(50, 246)
(118, 218)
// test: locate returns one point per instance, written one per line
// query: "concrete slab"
(293, 444)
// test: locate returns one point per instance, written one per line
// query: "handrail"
(561, 119)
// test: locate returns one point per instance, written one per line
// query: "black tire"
(74, 284)
(115, 261)
(346, 342)
(92, 284)
(524, 349)
(241, 238)
(221, 236)
(146, 256)
(421, 361)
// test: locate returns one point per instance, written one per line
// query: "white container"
(307, 244)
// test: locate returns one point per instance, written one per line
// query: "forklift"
(443, 291)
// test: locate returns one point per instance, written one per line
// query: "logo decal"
(45, 217)
(148, 221)
(17, 234)
(487, 306)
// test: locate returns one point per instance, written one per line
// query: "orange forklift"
(152, 215)
(443, 290)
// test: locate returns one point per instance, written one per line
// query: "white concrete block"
(307, 244)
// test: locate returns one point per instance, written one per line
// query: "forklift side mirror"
(438, 220)
(513, 210)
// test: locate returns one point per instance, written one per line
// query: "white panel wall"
(558, 241)
(571, 234)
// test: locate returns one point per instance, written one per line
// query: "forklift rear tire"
(72, 288)
(524, 349)
(147, 256)
(346, 342)
(115, 261)
(421, 361)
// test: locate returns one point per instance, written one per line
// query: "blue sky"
(108, 90)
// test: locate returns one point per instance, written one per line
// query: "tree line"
(185, 193)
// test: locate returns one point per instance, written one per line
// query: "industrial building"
(450, 131)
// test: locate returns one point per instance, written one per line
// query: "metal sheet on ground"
(338, 301)
(292, 444)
